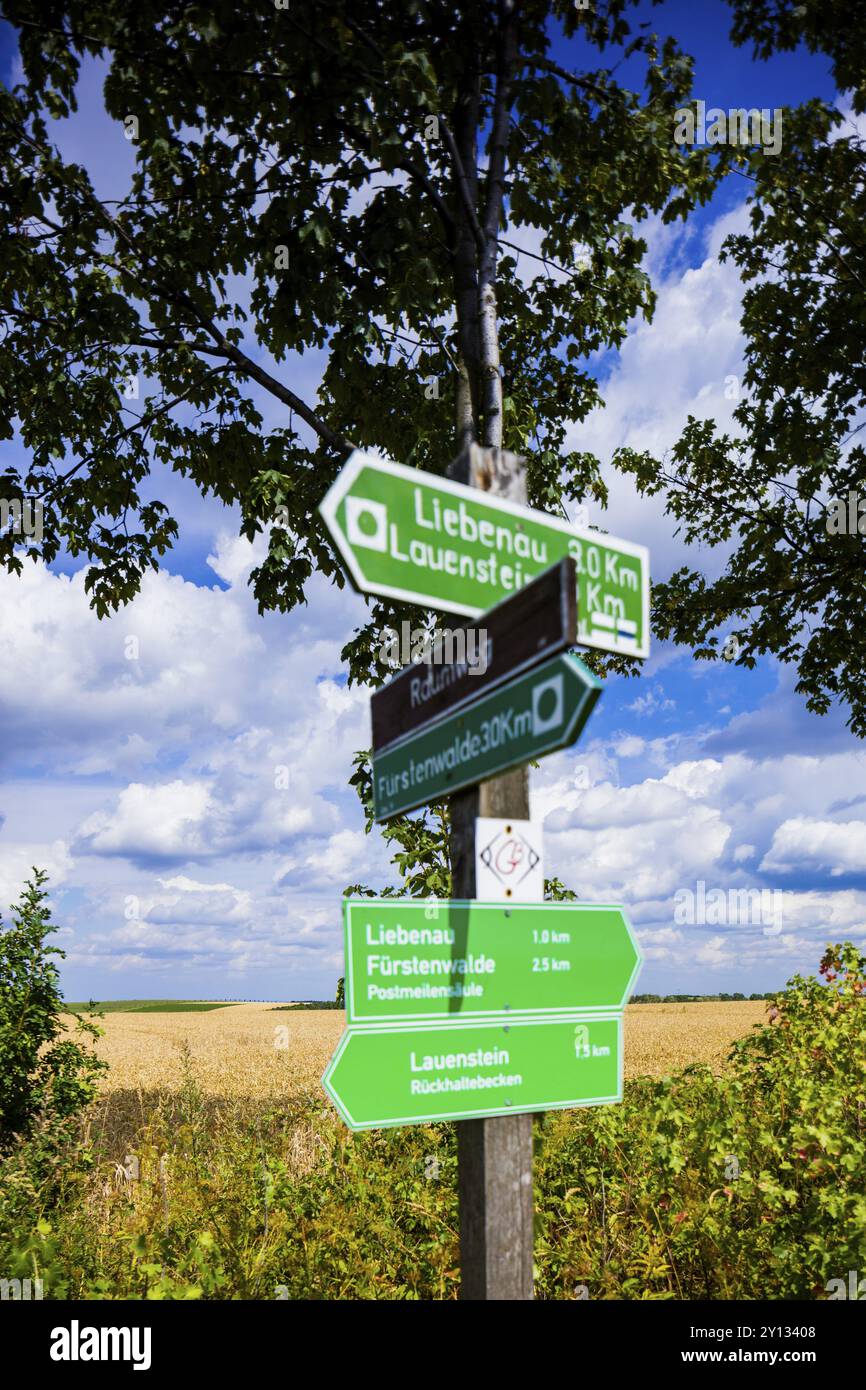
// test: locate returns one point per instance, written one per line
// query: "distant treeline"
(696, 998)
(309, 1004)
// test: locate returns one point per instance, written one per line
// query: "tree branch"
(436, 199)
(175, 295)
(468, 399)
(585, 83)
(462, 181)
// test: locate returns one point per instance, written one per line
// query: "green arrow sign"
(535, 714)
(384, 1076)
(415, 960)
(409, 535)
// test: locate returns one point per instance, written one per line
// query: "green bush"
(748, 1185)
(45, 1075)
(47, 1080)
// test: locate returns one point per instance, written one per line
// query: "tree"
(784, 491)
(352, 179)
(336, 161)
(45, 1074)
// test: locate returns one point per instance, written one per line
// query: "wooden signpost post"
(431, 1033)
(494, 1156)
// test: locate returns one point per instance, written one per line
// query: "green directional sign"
(535, 714)
(409, 535)
(413, 960)
(385, 1076)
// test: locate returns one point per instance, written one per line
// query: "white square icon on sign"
(547, 705)
(367, 523)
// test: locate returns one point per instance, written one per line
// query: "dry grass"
(253, 1051)
(248, 1050)
(244, 1061)
(659, 1038)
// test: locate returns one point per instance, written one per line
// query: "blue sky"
(151, 785)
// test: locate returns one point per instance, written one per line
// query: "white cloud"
(630, 746)
(716, 952)
(804, 843)
(17, 862)
(652, 702)
(343, 857)
(235, 556)
(679, 364)
(161, 820)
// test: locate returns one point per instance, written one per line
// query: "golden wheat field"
(262, 1052)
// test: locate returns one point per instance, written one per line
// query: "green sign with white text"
(408, 535)
(414, 960)
(538, 713)
(383, 1076)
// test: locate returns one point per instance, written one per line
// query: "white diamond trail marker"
(509, 860)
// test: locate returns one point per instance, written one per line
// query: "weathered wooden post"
(494, 1155)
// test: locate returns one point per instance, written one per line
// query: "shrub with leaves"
(46, 1074)
(747, 1185)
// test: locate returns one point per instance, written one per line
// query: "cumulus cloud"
(803, 842)
(345, 857)
(722, 823)
(215, 741)
(652, 702)
(688, 360)
(17, 862)
(163, 822)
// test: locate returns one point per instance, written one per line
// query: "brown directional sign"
(535, 623)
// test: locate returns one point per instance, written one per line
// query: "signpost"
(380, 1077)
(483, 1012)
(411, 959)
(408, 535)
(520, 632)
(523, 719)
